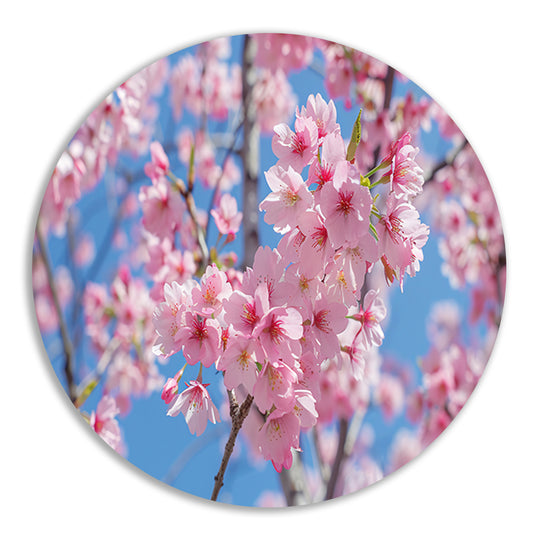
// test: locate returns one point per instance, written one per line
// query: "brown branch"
(450, 160)
(67, 345)
(238, 414)
(339, 458)
(293, 482)
(249, 155)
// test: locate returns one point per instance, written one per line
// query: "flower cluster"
(297, 311)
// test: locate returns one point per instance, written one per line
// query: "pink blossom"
(332, 160)
(197, 407)
(347, 210)
(304, 408)
(354, 260)
(288, 200)
(104, 424)
(405, 448)
(159, 166)
(213, 290)
(240, 312)
(406, 177)
(414, 406)
(372, 313)
(295, 148)
(162, 208)
(168, 319)
(316, 250)
(239, 362)
(268, 268)
(390, 396)
(283, 51)
(278, 435)
(273, 98)
(327, 319)
(84, 252)
(226, 215)
(274, 386)
(277, 330)
(200, 339)
(401, 235)
(170, 389)
(324, 115)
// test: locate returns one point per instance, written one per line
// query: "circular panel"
(285, 246)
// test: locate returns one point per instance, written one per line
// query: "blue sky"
(160, 445)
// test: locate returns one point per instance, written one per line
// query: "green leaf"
(355, 139)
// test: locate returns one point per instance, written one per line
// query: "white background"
(61, 58)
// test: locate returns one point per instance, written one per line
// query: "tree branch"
(249, 155)
(238, 414)
(67, 345)
(450, 160)
(339, 458)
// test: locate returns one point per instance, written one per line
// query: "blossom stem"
(238, 414)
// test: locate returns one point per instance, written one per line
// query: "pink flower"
(304, 408)
(295, 149)
(200, 338)
(346, 209)
(158, 167)
(240, 312)
(213, 290)
(268, 268)
(277, 330)
(104, 424)
(353, 261)
(274, 99)
(226, 215)
(168, 319)
(84, 252)
(316, 251)
(401, 236)
(170, 389)
(406, 177)
(283, 51)
(239, 362)
(390, 396)
(332, 160)
(327, 319)
(373, 312)
(278, 435)
(324, 115)
(197, 407)
(274, 386)
(288, 200)
(162, 208)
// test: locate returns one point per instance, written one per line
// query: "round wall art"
(268, 270)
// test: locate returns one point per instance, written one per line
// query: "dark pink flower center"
(344, 203)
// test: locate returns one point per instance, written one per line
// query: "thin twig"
(238, 414)
(92, 379)
(67, 345)
(447, 161)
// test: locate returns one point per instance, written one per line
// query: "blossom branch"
(249, 155)
(85, 388)
(238, 414)
(448, 161)
(67, 344)
(339, 458)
